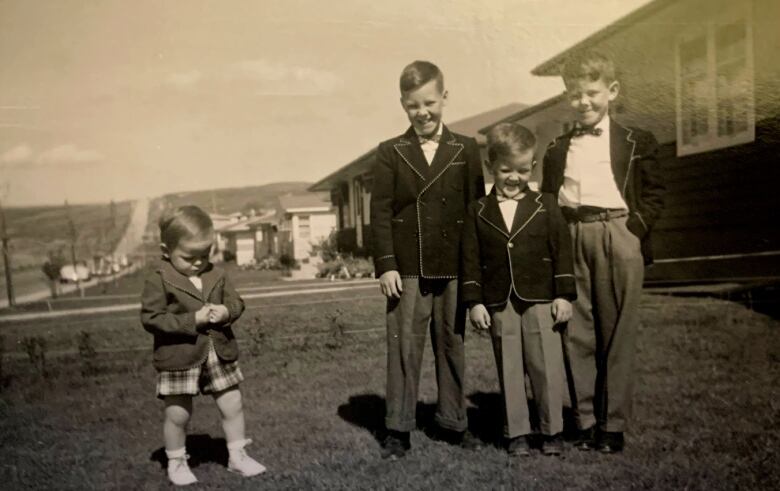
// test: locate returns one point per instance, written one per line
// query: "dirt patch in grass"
(707, 414)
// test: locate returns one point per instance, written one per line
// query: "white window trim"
(713, 141)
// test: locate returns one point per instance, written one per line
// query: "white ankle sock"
(176, 454)
(236, 446)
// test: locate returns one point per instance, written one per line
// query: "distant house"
(704, 77)
(250, 238)
(304, 220)
(350, 186)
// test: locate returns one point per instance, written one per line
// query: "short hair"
(590, 65)
(187, 221)
(508, 139)
(418, 73)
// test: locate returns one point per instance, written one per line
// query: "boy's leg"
(407, 327)
(544, 363)
(579, 337)
(447, 331)
(505, 332)
(231, 409)
(178, 409)
(619, 276)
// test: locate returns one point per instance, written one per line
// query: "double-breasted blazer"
(532, 261)
(637, 174)
(417, 210)
(168, 305)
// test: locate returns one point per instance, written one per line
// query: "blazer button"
(510, 245)
(444, 200)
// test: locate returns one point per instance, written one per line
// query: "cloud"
(68, 154)
(273, 78)
(17, 155)
(184, 80)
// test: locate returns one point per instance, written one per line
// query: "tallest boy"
(423, 181)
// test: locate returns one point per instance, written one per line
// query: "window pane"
(694, 108)
(732, 83)
(693, 56)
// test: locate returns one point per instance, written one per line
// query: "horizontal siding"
(722, 202)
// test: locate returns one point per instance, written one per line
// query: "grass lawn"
(707, 406)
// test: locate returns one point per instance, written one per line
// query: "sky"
(104, 100)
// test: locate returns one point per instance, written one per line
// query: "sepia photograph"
(502, 244)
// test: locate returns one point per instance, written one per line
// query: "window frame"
(712, 140)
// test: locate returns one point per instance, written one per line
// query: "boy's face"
(590, 100)
(191, 255)
(423, 107)
(511, 174)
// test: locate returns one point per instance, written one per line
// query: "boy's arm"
(651, 200)
(561, 251)
(382, 213)
(232, 300)
(547, 171)
(476, 180)
(154, 314)
(471, 269)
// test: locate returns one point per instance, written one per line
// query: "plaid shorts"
(214, 375)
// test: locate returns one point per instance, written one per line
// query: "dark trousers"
(600, 340)
(425, 305)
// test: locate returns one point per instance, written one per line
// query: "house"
(704, 77)
(249, 238)
(350, 186)
(305, 220)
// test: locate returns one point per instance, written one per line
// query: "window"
(304, 227)
(715, 84)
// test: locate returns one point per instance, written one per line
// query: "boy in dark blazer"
(518, 279)
(423, 181)
(609, 184)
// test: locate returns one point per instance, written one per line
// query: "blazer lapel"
(527, 208)
(211, 277)
(448, 149)
(408, 147)
(491, 213)
(621, 154)
(177, 280)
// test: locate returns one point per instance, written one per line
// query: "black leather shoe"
(463, 439)
(610, 442)
(552, 444)
(395, 445)
(586, 439)
(518, 447)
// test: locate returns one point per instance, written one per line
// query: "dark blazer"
(168, 305)
(637, 173)
(533, 261)
(417, 210)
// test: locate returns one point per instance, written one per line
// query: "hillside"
(229, 200)
(36, 230)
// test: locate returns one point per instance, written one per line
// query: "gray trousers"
(524, 342)
(600, 340)
(425, 305)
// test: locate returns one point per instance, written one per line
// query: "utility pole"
(9, 282)
(73, 237)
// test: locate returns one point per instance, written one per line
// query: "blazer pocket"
(458, 163)
(397, 220)
(547, 259)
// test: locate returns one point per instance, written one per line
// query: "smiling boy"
(518, 282)
(609, 184)
(423, 181)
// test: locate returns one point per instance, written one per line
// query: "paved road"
(31, 285)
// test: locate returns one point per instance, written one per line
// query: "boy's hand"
(479, 316)
(561, 310)
(202, 316)
(218, 314)
(390, 284)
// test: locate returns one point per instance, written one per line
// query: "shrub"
(87, 354)
(35, 346)
(287, 261)
(346, 267)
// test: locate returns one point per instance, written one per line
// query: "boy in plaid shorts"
(188, 304)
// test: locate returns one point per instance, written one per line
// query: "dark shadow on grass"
(201, 449)
(366, 411)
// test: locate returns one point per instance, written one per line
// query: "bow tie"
(580, 131)
(426, 139)
(502, 198)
